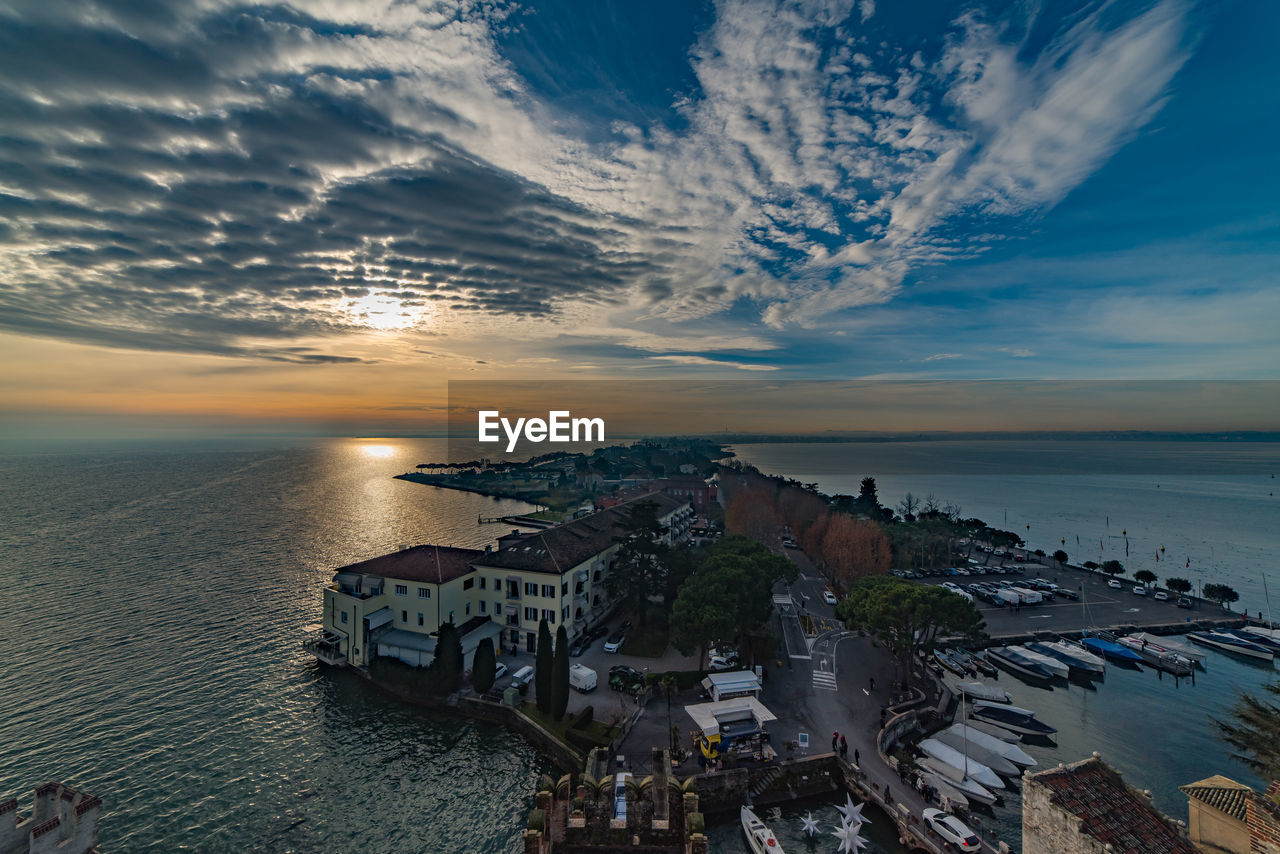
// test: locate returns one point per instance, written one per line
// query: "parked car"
(522, 678)
(952, 829)
(1068, 593)
(1160, 596)
(1139, 590)
(829, 597)
(722, 662)
(499, 671)
(1115, 585)
(582, 678)
(624, 678)
(614, 641)
(1184, 602)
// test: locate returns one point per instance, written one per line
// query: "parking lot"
(1099, 605)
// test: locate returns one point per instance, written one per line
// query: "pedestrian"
(888, 798)
(844, 748)
(835, 741)
(873, 683)
(857, 757)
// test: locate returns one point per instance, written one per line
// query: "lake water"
(155, 600)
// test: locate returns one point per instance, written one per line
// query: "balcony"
(327, 649)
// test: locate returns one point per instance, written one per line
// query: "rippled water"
(154, 602)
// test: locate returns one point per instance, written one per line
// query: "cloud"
(703, 361)
(938, 357)
(234, 179)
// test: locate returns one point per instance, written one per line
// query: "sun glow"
(381, 310)
(379, 452)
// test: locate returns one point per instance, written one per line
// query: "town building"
(393, 605)
(62, 820)
(1226, 816)
(1086, 808)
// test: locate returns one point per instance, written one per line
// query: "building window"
(468, 610)
(420, 618)
(344, 616)
(404, 616)
(564, 613)
(468, 583)
(564, 588)
(530, 589)
(497, 607)
(484, 606)
(482, 582)
(549, 591)
(531, 614)
(513, 619)
(424, 592)
(402, 590)
(549, 616)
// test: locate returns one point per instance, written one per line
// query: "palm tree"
(564, 788)
(687, 786)
(1254, 732)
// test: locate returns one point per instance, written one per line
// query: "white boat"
(959, 765)
(1262, 631)
(946, 789)
(1154, 653)
(979, 691)
(1078, 652)
(759, 837)
(971, 789)
(984, 755)
(992, 742)
(1086, 662)
(993, 730)
(1056, 667)
(1230, 643)
(1185, 650)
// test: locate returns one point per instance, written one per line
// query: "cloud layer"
(240, 179)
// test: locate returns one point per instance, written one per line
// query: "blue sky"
(337, 194)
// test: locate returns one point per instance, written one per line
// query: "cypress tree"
(542, 668)
(484, 666)
(446, 667)
(560, 675)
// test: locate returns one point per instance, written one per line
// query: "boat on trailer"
(759, 837)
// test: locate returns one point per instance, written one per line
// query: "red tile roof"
(435, 564)
(1112, 812)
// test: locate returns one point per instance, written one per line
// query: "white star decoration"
(810, 825)
(850, 841)
(851, 814)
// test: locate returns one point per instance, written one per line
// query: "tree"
(560, 675)
(542, 668)
(1220, 593)
(868, 500)
(1178, 585)
(670, 687)
(1060, 556)
(1113, 567)
(906, 617)
(639, 564)
(1254, 731)
(1144, 576)
(852, 548)
(446, 668)
(484, 666)
(907, 507)
(1090, 564)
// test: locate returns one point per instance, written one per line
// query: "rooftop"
(434, 564)
(1111, 811)
(559, 549)
(1221, 793)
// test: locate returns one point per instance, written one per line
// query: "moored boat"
(1185, 650)
(975, 751)
(1111, 650)
(1265, 641)
(960, 764)
(979, 691)
(993, 730)
(972, 789)
(1053, 665)
(1005, 748)
(759, 837)
(1009, 659)
(983, 666)
(1079, 662)
(946, 789)
(1159, 656)
(1012, 718)
(947, 660)
(1230, 643)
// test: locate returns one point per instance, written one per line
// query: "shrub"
(584, 717)
(697, 824)
(537, 820)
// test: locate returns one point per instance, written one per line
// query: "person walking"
(835, 741)
(844, 748)
(873, 683)
(857, 757)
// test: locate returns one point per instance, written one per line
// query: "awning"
(710, 716)
(401, 639)
(380, 617)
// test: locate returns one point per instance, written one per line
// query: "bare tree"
(908, 505)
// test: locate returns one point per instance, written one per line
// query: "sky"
(312, 216)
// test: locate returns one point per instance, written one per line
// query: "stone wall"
(1262, 817)
(1046, 827)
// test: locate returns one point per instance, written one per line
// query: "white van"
(582, 678)
(522, 677)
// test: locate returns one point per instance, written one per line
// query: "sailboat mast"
(1267, 594)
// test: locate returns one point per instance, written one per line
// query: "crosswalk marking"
(824, 680)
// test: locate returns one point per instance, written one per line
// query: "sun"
(381, 310)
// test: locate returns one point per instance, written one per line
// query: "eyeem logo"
(559, 426)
